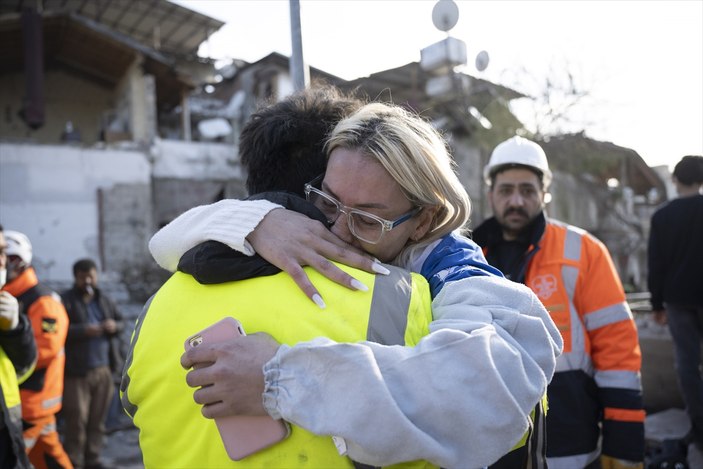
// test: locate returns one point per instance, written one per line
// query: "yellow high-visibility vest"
(173, 433)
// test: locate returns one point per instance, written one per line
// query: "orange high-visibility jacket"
(42, 392)
(597, 379)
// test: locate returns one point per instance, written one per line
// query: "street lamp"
(299, 72)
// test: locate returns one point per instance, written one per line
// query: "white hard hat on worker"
(518, 151)
(18, 244)
(518, 176)
(19, 253)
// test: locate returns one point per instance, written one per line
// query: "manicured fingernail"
(379, 269)
(358, 285)
(318, 301)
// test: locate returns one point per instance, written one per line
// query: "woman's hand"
(290, 240)
(230, 374)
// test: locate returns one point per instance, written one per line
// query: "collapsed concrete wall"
(187, 174)
(71, 201)
(107, 202)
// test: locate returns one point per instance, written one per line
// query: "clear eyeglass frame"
(376, 224)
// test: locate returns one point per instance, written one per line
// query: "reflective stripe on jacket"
(573, 274)
(42, 392)
(597, 379)
(173, 433)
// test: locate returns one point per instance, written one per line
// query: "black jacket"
(510, 257)
(676, 253)
(77, 345)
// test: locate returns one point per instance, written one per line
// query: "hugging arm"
(208, 222)
(236, 223)
(460, 398)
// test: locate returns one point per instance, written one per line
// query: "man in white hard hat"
(595, 416)
(41, 393)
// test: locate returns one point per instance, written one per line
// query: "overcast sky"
(641, 61)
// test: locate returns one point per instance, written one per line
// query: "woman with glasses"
(390, 190)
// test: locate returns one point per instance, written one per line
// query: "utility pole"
(298, 70)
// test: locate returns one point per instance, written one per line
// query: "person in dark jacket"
(18, 355)
(92, 359)
(676, 281)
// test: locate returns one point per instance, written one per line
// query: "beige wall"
(67, 97)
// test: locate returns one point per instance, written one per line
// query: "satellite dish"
(445, 14)
(482, 60)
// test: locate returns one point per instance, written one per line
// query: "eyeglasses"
(364, 225)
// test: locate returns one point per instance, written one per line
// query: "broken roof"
(158, 24)
(99, 38)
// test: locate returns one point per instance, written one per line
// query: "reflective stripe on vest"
(395, 310)
(388, 316)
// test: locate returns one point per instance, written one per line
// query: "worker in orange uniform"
(42, 392)
(596, 417)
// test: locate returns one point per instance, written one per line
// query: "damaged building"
(112, 125)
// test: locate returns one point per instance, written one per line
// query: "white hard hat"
(18, 245)
(518, 151)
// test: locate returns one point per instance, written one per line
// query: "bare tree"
(559, 100)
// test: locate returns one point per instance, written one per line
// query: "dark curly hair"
(282, 144)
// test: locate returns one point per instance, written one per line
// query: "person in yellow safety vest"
(595, 397)
(41, 393)
(18, 356)
(173, 433)
(423, 430)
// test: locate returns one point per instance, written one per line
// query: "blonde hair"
(416, 157)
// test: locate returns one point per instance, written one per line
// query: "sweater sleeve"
(228, 221)
(460, 398)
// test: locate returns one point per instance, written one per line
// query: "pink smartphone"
(242, 435)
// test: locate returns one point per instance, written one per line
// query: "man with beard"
(92, 356)
(596, 393)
